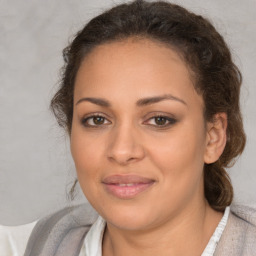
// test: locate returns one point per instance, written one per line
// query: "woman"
(150, 100)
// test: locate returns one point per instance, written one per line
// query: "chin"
(128, 217)
(133, 223)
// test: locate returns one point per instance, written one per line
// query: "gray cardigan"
(63, 233)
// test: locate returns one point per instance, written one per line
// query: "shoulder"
(13, 239)
(239, 236)
(245, 214)
(70, 216)
(53, 231)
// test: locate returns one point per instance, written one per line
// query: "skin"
(129, 140)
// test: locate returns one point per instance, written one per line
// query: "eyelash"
(171, 121)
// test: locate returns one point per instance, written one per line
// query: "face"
(138, 135)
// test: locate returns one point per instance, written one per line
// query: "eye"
(161, 121)
(94, 121)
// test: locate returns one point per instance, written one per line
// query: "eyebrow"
(141, 102)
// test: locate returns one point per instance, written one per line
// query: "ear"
(216, 138)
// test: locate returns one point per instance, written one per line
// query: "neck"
(187, 234)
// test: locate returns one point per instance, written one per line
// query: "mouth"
(126, 186)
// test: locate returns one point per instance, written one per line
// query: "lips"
(126, 186)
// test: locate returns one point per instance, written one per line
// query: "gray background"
(36, 169)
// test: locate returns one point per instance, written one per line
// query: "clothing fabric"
(239, 236)
(211, 246)
(13, 239)
(93, 240)
(63, 233)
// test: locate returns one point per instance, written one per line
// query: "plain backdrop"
(36, 170)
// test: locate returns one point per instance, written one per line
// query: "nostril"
(122, 159)
(126, 157)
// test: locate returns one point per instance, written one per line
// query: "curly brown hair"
(196, 40)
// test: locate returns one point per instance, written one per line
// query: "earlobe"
(216, 138)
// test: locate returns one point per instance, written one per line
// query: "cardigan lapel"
(61, 234)
(239, 235)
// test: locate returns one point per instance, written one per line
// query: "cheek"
(180, 156)
(179, 161)
(87, 154)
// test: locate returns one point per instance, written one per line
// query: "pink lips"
(126, 186)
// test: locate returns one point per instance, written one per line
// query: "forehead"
(133, 68)
(137, 50)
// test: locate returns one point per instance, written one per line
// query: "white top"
(93, 242)
(211, 246)
(13, 240)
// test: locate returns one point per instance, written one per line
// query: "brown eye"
(94, 121)
(98, 120)
(161, 121)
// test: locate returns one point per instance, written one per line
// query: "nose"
(125, 145)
